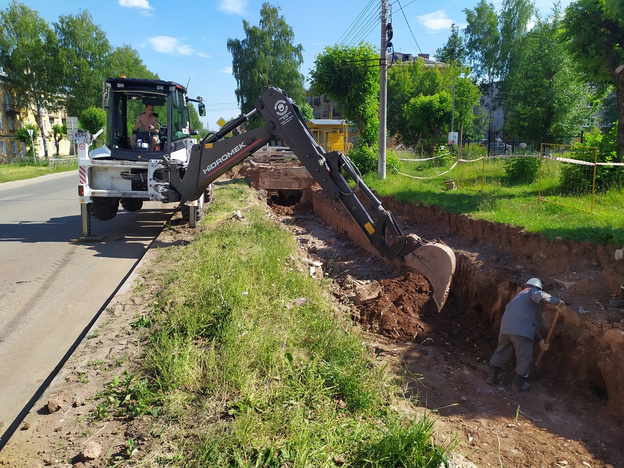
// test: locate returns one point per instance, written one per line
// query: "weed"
(126, 396)
(142, 322)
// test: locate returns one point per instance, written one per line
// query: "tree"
(29, 57)
(454, 51)
(483, 41)
(420, 101)
(58, 133)
(93, 119)
(22, 135)
(83, 50)
(594, 34)
(125, 61)
(544, 96)
(267, 56)
(513, 21)
(350, 77)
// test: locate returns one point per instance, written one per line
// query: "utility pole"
(383, 92)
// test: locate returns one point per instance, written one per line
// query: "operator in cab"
(146, 126)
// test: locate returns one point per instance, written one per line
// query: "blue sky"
(185, 41)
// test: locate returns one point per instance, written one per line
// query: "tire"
(104, 209)
(131, 204)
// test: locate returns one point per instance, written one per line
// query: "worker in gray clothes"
(520, 325)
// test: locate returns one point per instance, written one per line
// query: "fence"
(565, 175)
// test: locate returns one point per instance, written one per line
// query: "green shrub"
(521, 170)
(364, 157)
(607, 177)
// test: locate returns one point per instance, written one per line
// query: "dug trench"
(573, 413)
(571, 417)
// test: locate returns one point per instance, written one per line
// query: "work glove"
(561, 305)
(544, 345)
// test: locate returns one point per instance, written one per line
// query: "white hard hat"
(534, 282)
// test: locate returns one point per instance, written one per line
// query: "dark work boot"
(520, 384)
(492, 377)
(619, 303)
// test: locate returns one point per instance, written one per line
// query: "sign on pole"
(452, 138)
(32, 143)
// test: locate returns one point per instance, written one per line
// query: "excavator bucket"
(436, 262)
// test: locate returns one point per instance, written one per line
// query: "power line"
(402, 9)
(354, 24)
(361, 27)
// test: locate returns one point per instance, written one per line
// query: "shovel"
(550, 332)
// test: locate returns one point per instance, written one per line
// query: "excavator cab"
(124, 99)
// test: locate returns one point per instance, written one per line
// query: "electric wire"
(351, 27)
(402, 9)
(366, 22)
(356, 26)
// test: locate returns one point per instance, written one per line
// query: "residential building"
(10, 148)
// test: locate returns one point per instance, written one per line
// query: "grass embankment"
(254, 367)
(22, 171)
(489, 195)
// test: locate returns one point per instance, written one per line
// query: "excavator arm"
(214, 155)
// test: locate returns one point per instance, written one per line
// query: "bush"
(364, 158)
(521, 170)
(606, 177)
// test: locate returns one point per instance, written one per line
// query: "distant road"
(51, 288)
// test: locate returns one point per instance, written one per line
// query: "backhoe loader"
(172, 166)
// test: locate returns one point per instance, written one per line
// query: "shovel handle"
(550, 332)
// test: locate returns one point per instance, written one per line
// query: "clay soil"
(571, 417)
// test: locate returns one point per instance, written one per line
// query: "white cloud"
(170, 45)
(228, 70)
(141, 4)
(436, 20)
(232, 6)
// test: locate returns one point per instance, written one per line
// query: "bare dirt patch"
(572, 417)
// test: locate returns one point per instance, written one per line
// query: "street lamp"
(32, 143)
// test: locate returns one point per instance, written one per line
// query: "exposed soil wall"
(493, 262)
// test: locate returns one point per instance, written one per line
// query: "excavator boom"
(213, 156)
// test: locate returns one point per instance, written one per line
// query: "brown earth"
(572, 417)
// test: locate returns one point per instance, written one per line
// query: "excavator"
(172, 166)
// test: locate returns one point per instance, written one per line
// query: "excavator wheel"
(103, 209)
(436, 262)
(131, 204)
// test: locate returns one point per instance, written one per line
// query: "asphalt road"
(51, 288)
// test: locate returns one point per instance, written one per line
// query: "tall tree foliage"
(267, 56)
(513, 22)
(29, 57)
(125, 61)
(83, 48)
(420, 101)
(545, 96)
(454, 51)
(483, 41)
(350, 77)
(594, 33)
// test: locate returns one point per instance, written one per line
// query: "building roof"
(329, 122)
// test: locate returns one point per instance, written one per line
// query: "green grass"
(28, 170)
(255, 367)
(488, 194)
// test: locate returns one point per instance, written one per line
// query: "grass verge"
(516, 204)
(254, 366)
(22, 171)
